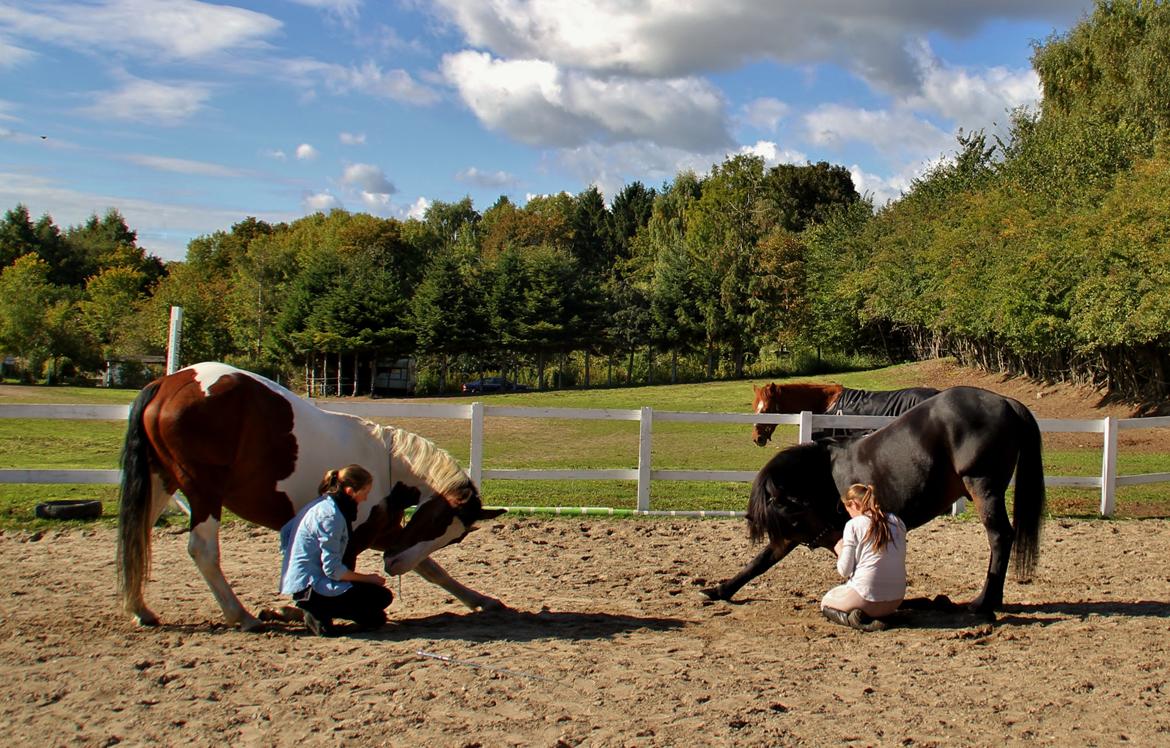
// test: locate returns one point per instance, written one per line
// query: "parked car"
(492, 384)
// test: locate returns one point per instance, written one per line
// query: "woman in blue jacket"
(314, 542)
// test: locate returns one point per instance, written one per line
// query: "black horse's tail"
(134, 506)
(1028, 505)
(761, 518)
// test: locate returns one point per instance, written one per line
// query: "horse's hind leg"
(993, 512)
(203, 545)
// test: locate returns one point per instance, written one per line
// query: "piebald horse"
(231, 439)
(963, 442)
(830, 399)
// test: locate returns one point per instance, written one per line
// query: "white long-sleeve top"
(875, 576)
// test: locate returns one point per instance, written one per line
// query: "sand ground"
(608, 643)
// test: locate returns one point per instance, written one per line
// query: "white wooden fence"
(1107, 482)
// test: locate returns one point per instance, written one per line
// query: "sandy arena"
(609, 644)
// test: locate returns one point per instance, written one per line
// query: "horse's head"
(440, 520)
(765, 400)
(794, 499)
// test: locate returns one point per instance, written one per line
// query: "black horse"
(963, 442)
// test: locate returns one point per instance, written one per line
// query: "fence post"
(1109, 468)
(645, 426)
(805, 427)
(174, 336)
(477, 444)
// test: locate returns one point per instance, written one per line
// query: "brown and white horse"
(231, 439)
(831, 399)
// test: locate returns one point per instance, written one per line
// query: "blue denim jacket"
(313, 543)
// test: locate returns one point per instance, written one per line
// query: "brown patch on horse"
(794, 398)
(229, 447)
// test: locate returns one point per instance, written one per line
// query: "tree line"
(1043, 252)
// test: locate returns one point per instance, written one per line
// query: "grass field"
(545, 444)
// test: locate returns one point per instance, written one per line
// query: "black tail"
(1028, 505)
(134, 507)
(761, 518)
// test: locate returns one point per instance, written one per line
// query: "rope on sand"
(602, 511)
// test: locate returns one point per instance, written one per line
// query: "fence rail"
(1108, 481)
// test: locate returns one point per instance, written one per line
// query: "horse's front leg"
(993, 512)
(767, 558)
(203, 545)
(433, 573)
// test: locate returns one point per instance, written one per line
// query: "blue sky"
(188, 116)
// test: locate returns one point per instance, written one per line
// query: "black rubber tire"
(85, 509)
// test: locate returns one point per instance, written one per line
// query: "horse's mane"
(425, 459)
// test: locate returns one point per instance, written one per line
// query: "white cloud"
(369, 78)
(163, 228)
(349, 138)
(345, 8)
(184, 166)
(377, 202)
(12, 55)
(898, 135)
(669, 38)
(367, 178)
(765, 113)
(151, 29)
(884, 189)
(974, 99)
(5, 107)
(322, 202)
(276, 154)
(496, 179)
(306, 152)
(418, 209)
(540, 104)
(150, 102)
(774, 154)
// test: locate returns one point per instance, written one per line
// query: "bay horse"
(232, 439)
(830, 399)
(964, 442)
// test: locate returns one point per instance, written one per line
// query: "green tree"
(35, 315)
(109, 305)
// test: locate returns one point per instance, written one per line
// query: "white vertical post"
(1109, 468)
(173, 338)
(805, 427)
(645, 427)
(477, 444)
(958, 507)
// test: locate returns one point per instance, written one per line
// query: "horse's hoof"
(713, 593)
(284, 614)
(146, 620)
(251, 625)
(492, 605)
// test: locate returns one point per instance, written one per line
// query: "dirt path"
(609, 644)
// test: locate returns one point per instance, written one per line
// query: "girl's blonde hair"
(355, 477)
(879, 533)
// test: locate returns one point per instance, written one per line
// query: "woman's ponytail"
(354, 477)
(879, 533)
